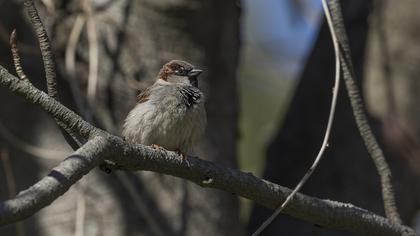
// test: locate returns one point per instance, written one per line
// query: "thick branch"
(325, 213)
(103, 146)
(58, 181)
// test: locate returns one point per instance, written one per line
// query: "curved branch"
(327, 133)
(55, 184)
(365, 131)
(132, 157)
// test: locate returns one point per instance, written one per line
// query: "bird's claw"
(183, 156)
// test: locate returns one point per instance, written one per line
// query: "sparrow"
(171, 112)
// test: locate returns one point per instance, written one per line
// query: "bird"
(171, 113)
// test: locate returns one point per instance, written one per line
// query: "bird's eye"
(180, 71)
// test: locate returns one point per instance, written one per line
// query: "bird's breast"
(173, 119)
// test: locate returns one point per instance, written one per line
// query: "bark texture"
(392, 76)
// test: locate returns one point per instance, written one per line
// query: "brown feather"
(172, 66)
(164, 73)
(143, 96)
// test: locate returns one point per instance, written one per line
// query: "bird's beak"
(194, 73)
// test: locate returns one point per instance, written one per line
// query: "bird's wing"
(144, 96)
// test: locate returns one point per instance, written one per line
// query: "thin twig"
(70, 61)
(327, 131)
(93, 60)
(44, 45)
(49, 67)
(16, 57)
(25, 49)
(80, 208)
(365, 131)
(93, 52)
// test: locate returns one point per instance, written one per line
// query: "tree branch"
(365, 131)
(49, 66)
(44, 45)
(58, 181)
(325, 141)
(103, 146)
(16, 58)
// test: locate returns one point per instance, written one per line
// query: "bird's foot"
(182, 155)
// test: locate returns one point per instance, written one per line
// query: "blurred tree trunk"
(134, 39)
(346, 173)
(393, 83)
(393, 76)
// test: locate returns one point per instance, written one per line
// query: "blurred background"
(268, 78)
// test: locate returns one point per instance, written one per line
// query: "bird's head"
(179, 72)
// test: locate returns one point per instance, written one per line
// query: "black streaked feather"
(190, 96)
